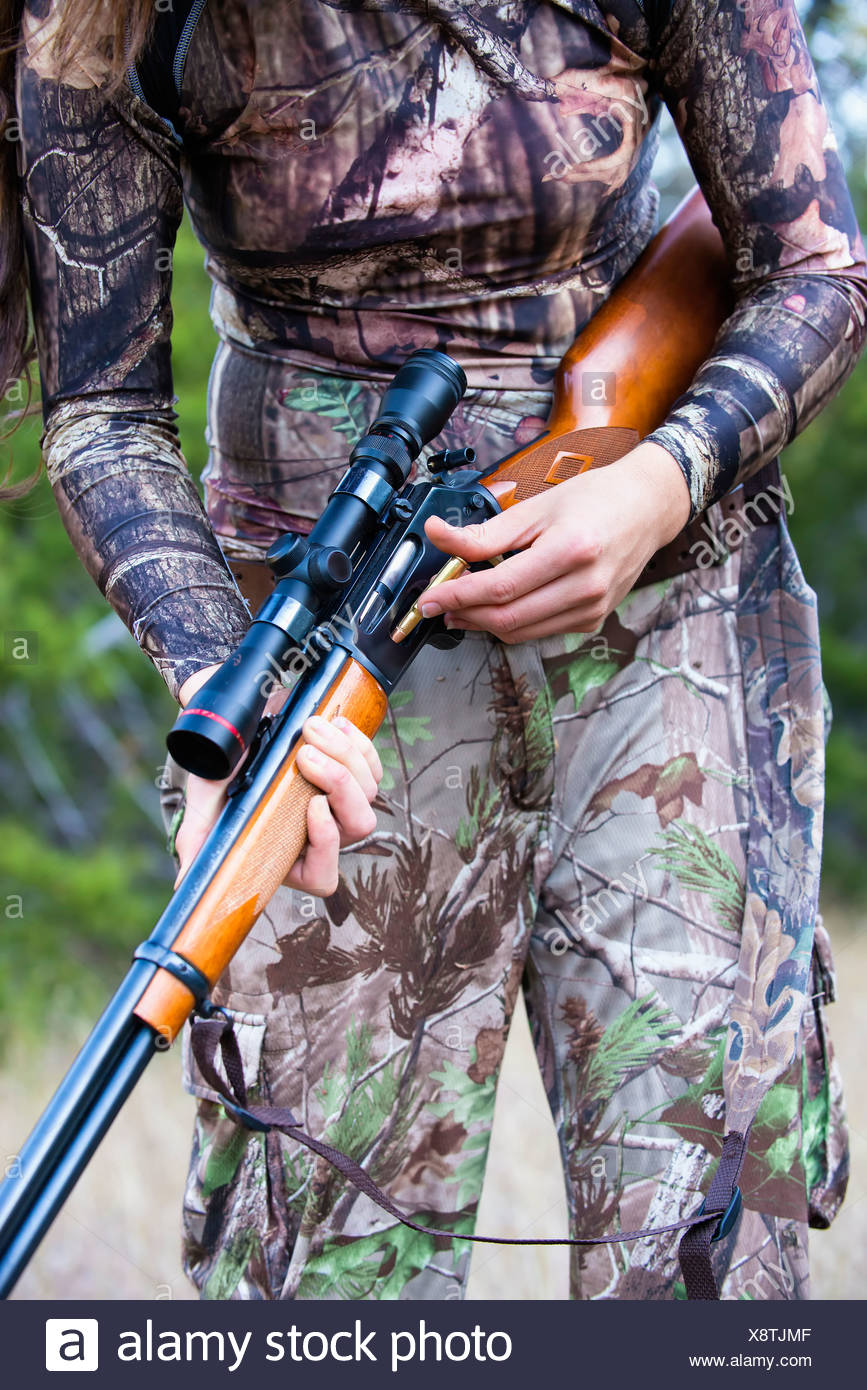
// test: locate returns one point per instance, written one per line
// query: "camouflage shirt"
(373, 176)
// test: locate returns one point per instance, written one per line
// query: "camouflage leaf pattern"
(594, 852)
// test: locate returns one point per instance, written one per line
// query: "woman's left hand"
(581, 544)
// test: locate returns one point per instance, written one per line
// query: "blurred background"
(84, 873)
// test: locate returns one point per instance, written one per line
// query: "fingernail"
(430, 610)
(340, 722)
(314, 755)
(317, 721)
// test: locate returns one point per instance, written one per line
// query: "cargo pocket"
(825, 1131)
(250, 1032)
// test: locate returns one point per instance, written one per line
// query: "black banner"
(427, 1344)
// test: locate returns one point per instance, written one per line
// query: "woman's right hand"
(334, 756)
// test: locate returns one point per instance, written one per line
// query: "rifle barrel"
(40, 1197)
(73, 1098)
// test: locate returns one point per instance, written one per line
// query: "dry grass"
(118, 1235)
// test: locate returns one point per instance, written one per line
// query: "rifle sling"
(713, 1219)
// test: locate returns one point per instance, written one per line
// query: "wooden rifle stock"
(650, 336)
(637, 354)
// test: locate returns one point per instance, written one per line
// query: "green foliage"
(380, 1265)
(229, 1268)
(815, 1115)
(630, 1041)
(825, 467)
(297, 1169)
(585, 674)
(783, 1153)
(483, 805)
(776, 1138)
(538, 738)
(474, 1100)
(470, 1174)
(778, 1108)
(375, 1266)
(348, 404)
(357, 1106)
(67, 926)
(698, 862)
(474, 1104)
(223, 1163)
(193, 344)
(400, 729)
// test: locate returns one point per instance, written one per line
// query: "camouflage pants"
(575, 818)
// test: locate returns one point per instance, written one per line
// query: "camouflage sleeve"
(738, 79)
(101, 201)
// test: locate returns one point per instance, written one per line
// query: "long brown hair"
(123, 31)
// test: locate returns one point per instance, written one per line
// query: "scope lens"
(211, 735)
(422, 396)
(202, 749)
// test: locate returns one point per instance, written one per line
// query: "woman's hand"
(336, 757)
(582, 545)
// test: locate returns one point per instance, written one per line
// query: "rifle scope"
(211, 735)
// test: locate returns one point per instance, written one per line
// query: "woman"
(610, 794)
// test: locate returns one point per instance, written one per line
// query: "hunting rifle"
(369, 555)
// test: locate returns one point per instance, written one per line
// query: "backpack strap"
(157, 75)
